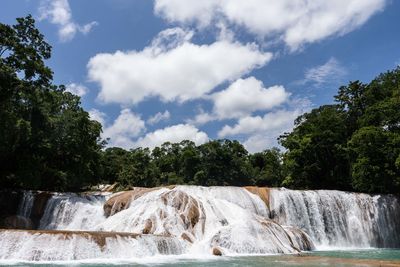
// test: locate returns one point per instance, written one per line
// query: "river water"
(343, 258)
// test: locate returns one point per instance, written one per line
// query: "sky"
(153, 71)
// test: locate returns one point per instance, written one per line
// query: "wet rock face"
(39, 206)
(17, 222)
(185, 205)
(262, 192)
(217, 251)
(121, 201)
(9, 202)
(299, 238)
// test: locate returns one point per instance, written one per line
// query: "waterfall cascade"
(339, 219)
(26, 204)
(198, 220)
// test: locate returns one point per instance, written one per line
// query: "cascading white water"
(25, 207)
(339, 219)
(195, 220)
(73, 212)
(63, 246)
(227, 217)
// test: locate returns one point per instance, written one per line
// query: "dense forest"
(48, 141)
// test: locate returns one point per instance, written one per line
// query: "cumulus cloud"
(172, 68)
(202, 117)
(245, 96)
(328, 72)
(242, 98)
(97, 115)
(261, 132)
(126, 127)
(159, 117)
(76, 89)
(254, 124)
(296, 22)
(58, 12)
(174, 134)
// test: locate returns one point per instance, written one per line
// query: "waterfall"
(66, 246)
(195, 220)
(73, 212)
(230, 218)
(25, 207)
(339, 219)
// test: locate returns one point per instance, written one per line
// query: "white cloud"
(330, 71)
(259, 142)
(174, 134)
(159, 117)
(240, 99)
(58, 12)
(261, 132)
(124, 130)
(296, 22)
(201, 118)
(255, 124)
(245, 96)
(172, 68)
(76, 89)
(97, 115)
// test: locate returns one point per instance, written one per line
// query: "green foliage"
(267, 167)
(47, 141)
(316, 158)
(353, 145)
(374, 152)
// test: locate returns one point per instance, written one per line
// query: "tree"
(316, 157)
(47, 140)
(375, 151)
(267, 168)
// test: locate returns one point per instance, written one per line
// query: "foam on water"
(339, 219)
(73, 212)
(191, 221)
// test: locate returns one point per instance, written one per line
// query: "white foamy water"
(230, 218)
(31, 246)
(73, 212)
(191, 221)
(339, 219)
(25, 207)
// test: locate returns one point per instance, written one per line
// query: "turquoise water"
(344, 258)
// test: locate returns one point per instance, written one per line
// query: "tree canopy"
(48, 141)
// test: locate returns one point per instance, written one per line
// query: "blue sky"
(167, 70)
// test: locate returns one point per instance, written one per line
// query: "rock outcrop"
(9, 202)
(39, 206)
(17, 222)
(217, 251)
(262, 192)
(121, 200)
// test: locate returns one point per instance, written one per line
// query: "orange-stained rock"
(121, 200)
(217, 251)
(262, 192)
(187, 206)
(148, 227)
(186, 237)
